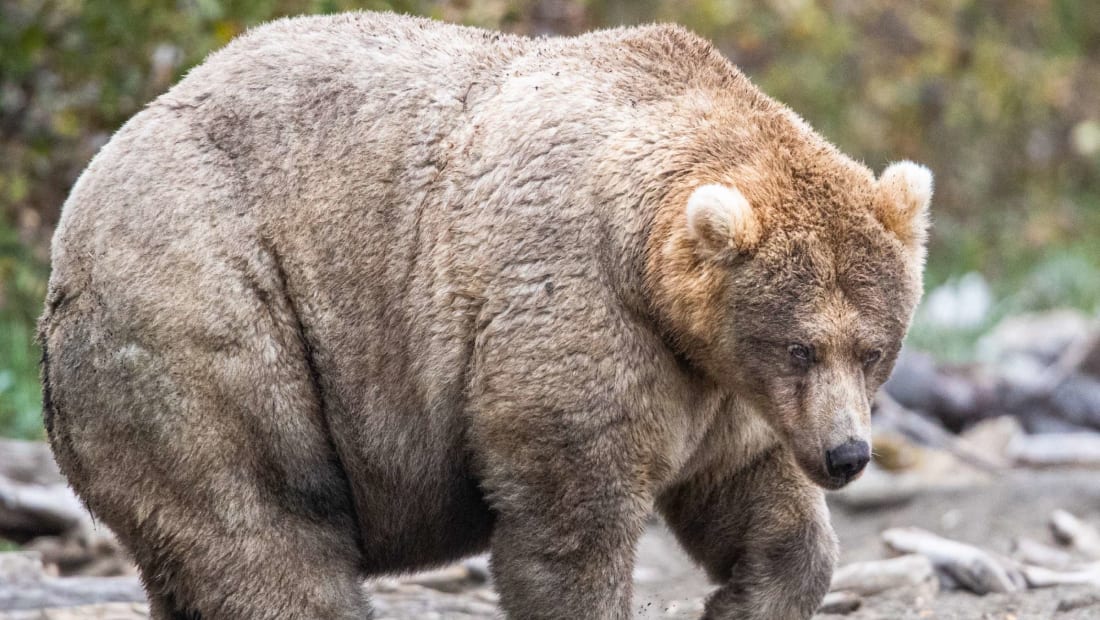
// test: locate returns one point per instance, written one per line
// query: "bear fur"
(366, 293)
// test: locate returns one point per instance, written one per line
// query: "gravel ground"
(989, 516)
(669, 586)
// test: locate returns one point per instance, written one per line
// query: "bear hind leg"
(213, 467)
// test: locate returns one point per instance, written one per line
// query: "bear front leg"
(570, 502)
(567, 446)
(566, 556)
(763, 532)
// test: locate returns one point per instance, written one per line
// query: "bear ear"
(720, 218)
(904, 195)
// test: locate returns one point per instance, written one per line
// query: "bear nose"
(848, 459)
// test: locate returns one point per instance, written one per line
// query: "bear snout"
(846, 461)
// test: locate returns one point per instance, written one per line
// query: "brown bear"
(366, 293)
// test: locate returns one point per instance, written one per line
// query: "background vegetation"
(1001, 98)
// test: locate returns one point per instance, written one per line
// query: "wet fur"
(366, 294)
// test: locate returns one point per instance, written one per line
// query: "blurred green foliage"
(998, 97)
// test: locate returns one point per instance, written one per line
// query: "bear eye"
(871, 357)
(801, 354)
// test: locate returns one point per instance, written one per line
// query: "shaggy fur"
(365, 294)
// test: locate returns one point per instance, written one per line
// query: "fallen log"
(970, 567)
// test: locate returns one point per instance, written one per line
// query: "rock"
(1042, 337)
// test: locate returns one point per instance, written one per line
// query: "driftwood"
(866, 578)
(21, 567)
(105, 611)
(1051, 386)
(31, 510)
(70, 591)
(1056, 450)
(28, 462)
(1082, 356)
(955, 397)
(840, 603)
(94, 553)
(877, 490)
(25, 584)
(1073, 532)
(968, 566)
(1036, 565)
(1035, 553)
(890, 414)
(34, 498)
(40, 511)
(50, 519)
(1039, 577)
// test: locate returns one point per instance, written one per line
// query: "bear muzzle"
(847, 461)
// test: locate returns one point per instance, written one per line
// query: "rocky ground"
(991, 515)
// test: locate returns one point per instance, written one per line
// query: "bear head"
(789, 278)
